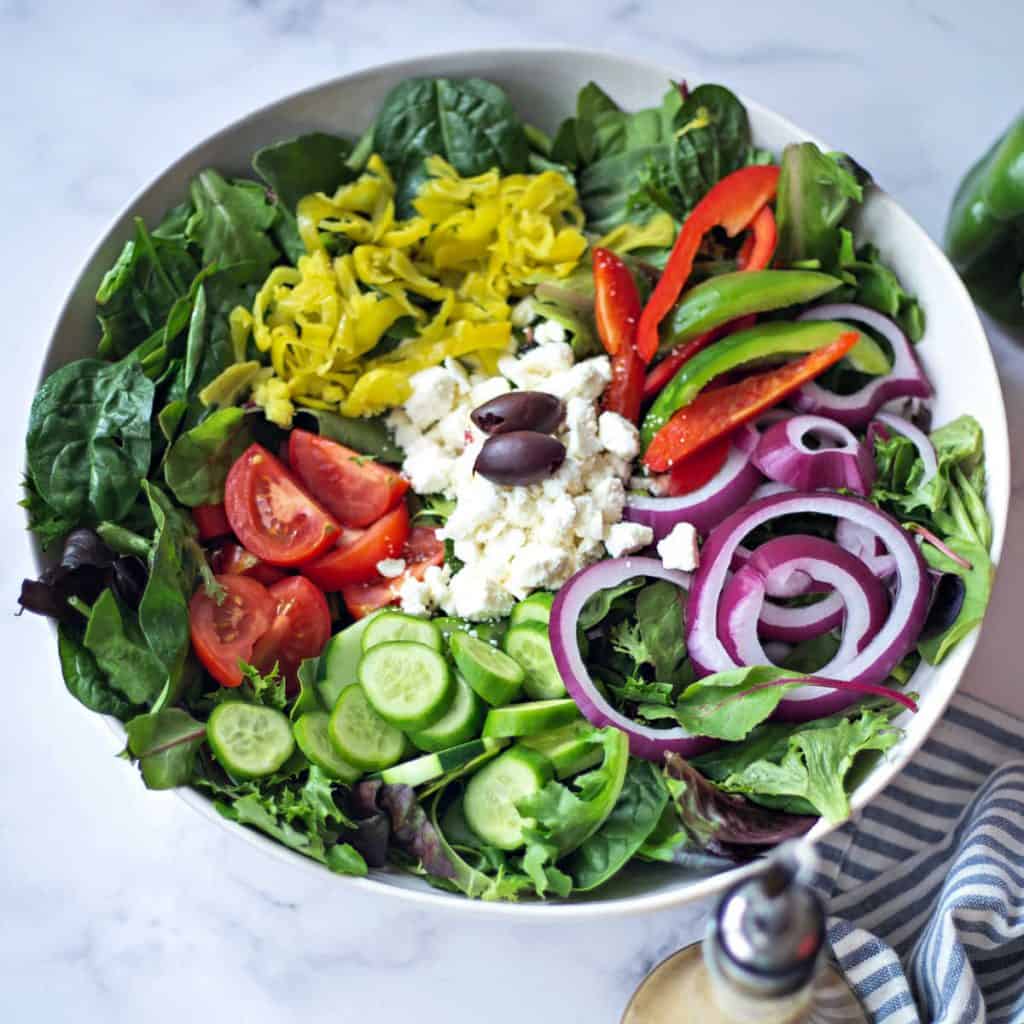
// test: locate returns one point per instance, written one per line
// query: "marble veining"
(120, 904)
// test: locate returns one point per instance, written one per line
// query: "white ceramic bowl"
(543, 84)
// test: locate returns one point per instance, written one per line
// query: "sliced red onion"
(860, 541)
(871, 665)
(918, 437)
(905, 379)
(793, 625)
(644, 740)
(705, 507)
(864, 602)
(783, 454)
(770, 487)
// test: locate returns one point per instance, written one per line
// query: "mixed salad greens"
(304, 503)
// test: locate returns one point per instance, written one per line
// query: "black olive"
(520, 457)
(947, 601)
(519, 410)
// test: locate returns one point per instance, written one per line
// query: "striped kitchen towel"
(925, 888)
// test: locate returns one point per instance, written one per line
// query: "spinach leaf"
(84, 679)
(368, 435)
(469, 122)
(816, 763)
(46, 523)
(600, 604)
(165, 744)
(197, 463)
(316, 162)
(88, 442)
(633, 818)
(810, 656)
(115, 639)
(977, 589)
(816, 190)
(659, 616)
(230, 226)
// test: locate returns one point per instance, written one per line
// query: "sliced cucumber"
(530, 718)
(433, 766)
(249, 740)
(409, 685)
(463, 721)
(389, 627)
(570, 749)
(312, 733)
(530, 647)
(492, 794)
(340, 660)
(361, 736)
(493, 675)
(535, 608)
(489, 632)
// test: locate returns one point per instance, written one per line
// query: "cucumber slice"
(530, 718)
(461, 722)
(409, 685)
(492, 794)
(530, 647)
(489, 632)
(340, 660)
(570, 749)
(361, 736)
(493, 675)
(249, 740)
(433, 766)
(312, 733)
(535, 608)
(389, 627)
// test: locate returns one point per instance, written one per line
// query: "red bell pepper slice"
(713, 414)
(617, 312)
(731, 204)
(759, 246)
(688, 474)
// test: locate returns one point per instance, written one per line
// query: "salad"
(503, 507)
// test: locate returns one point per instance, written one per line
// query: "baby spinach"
(367, 435)
(88, 442)
(977, 588)
(197, 463)
(469, 122)
(316, 162)
(84, 679)
(165, 744)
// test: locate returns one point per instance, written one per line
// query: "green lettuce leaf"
(977, 590)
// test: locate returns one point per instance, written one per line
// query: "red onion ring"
(644, 740)
(725, 492)
(782, 454)
(860, 541)
(905, 379)
(873, 664)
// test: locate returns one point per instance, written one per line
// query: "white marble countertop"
(120, 904)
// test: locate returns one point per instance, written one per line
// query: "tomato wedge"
(358, 492)
(271, 513)
(233, 560)
(300, 629)
(355, 558)
(421, 551)
(226, 633)
(211, 521)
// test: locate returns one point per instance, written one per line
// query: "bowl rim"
(552, 910)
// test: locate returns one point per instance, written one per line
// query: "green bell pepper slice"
(727, 296)
(765, 341)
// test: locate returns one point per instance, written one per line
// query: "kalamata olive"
(948, 595)
(520, 457)
(519, 410)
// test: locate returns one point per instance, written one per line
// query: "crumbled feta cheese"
(618, 435)
(428, 467)
(548, 331)
(584, 380)
(678, 550)
(475, 594)
(423, 597)
(391, 567)
(533, 565)
(581, 425)
(484, 390)
(625, 538)
(434, 392)
(523, 312)
(532, 370)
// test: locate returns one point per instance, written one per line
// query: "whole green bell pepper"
(985, 232)
(765, 341)
(729, 296)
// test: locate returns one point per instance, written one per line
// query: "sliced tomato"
(693, 472)
(233, 559)
(226, 633)
(271, 512)
(300, 629)
(355, 558)
(211, 521)
(358, 492)
(421, 551)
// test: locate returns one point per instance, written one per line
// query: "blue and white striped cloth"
(926, 888)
